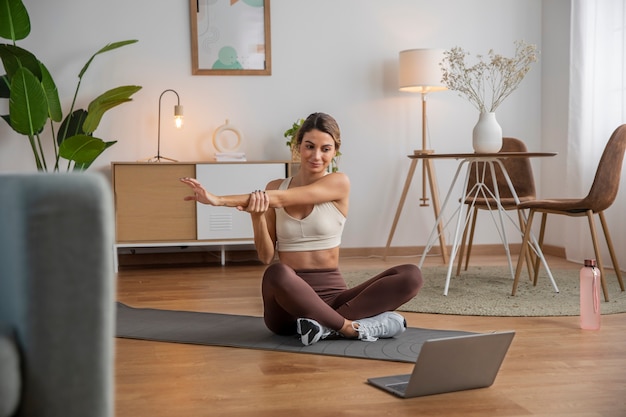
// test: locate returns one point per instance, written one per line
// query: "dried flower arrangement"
(487, 83)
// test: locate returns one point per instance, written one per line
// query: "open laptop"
(451, 364)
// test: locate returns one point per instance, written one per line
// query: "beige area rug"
(486, 291)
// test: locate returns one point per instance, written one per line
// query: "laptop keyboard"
(399, 387)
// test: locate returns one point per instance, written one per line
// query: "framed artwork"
(230, 37)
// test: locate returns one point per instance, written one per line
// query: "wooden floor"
(552, 369)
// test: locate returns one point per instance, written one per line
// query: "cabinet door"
(232, 178)
(149, 203)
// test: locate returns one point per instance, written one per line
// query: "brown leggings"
(322, 295)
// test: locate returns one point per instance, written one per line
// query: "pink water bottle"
(589, 296)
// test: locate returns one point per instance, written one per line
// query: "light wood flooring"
(552, 368)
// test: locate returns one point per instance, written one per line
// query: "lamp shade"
(419, 70)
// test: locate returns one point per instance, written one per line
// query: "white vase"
(487, 134)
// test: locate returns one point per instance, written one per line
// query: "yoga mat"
(215, 329)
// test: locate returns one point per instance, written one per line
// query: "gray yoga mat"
(215, 329)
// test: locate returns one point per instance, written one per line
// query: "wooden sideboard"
(150, 210)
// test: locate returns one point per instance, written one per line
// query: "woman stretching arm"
(301, 219)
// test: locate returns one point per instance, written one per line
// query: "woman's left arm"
(333, 187)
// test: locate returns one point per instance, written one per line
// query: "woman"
(301, 218)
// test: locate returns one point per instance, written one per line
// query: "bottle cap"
(590, 263)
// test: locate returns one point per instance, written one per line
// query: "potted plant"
(291, 134)
(34, 99)
(486, 84)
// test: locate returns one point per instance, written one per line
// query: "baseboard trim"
(210, 257)
(417, 250)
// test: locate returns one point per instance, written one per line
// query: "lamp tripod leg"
(405, 190)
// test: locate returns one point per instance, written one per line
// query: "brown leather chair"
(601, 196)
(521, 176)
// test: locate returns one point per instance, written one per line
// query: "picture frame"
(230, 37)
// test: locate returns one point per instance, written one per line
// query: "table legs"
(480, 189)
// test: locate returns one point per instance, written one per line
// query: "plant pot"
(295, 154)
(487, 134)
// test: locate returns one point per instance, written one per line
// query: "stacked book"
(230, 156)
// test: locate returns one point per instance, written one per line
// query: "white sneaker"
(383, 326)
(311, 331)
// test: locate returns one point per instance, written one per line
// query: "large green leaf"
(106, 48)
(81, 148)
(81, 166)
(28, 106)
(14, 21)
(105, 102)
(14, 57)
(52, 95)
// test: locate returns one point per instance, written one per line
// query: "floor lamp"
(420, 72)
(178, 119)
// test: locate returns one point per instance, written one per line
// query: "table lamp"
(178, 120)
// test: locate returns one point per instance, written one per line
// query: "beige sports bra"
(321, 229)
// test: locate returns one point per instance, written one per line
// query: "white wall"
(555, 106)
(334, 56)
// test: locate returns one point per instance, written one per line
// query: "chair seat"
(507, 202)
(565, 205)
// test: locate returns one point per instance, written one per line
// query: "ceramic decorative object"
(221, 138)
(226, 140)
(487, 134)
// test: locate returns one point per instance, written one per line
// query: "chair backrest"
(519, 170)
(57, 292)
(606, 182)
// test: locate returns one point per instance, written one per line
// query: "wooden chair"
(521, 175)
(601, 196)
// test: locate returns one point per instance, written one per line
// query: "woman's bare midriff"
(319, 259)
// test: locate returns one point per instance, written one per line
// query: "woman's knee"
(275, 273)
(412, 277)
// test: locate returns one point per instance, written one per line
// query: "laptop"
(451, 364)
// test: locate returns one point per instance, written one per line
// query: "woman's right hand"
(199, 193)
(258, 204)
